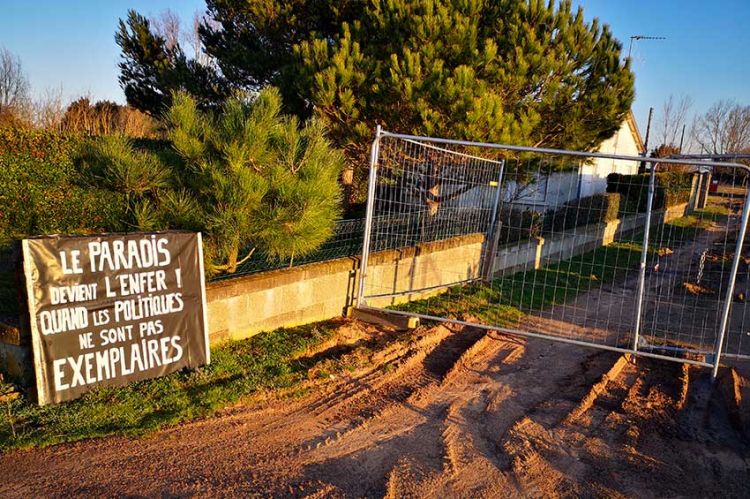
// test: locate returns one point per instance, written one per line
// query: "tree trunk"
(433, 193)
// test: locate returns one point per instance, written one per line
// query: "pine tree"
(246, 176)
(151, 70)
(513, 71)
(509, 71)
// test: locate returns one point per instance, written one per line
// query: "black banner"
(115, 308)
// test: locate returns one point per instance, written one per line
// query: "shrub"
(105, 118)
(518, 224)
(41, 192)
(599, 208)
(672, 188)
(676, 187)
(247, 177)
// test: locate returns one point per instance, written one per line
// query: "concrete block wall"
(243, 306)
(537, 252)
(416, 273)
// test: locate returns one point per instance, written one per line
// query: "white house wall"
(594, 174)
(549, 192)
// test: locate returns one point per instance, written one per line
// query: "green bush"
(40, 189)
(246, 176)
(517, 224)
(599, 208)
(672, 188)
(676, 187)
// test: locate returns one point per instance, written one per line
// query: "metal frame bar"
(715, 157)
(493, 233)
(529, 334)
(374, 152)
(730, 288)
(736, 356)
(456, 153)
(561, 152)
(644, 256)
(695, 160)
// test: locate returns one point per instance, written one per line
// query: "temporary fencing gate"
(649, 267)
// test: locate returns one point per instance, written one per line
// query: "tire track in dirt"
(425, 363)
(460, 412)
(465, 412)
(640, 413)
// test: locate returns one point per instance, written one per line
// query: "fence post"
(644, 256)
(730, 287)
(493, 235)
(694, 188)
(374, 152)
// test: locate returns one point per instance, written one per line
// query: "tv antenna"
(642, 37)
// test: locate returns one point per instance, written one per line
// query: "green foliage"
(511, 71)
(151, 70)
(599, 208)
(247, 177)
(253, 178)
(671, 188)
(113, 162)
(518, 224)
(676, 187)
(253, 42)
(41, 191)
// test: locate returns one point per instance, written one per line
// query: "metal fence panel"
(346, 241)
(643, 264)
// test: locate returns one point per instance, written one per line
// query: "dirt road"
(436, 412)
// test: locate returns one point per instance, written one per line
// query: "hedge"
(40, 190)
(672, 188)
(518, 224)
(599, 208)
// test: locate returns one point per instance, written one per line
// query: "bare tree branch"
(167, 26)
(49, 109)
(14, 86)
(673, 117)
(724, 128)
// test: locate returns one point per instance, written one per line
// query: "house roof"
(633, 126)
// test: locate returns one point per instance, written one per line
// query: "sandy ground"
(440, 412)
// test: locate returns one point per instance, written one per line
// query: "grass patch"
(506, 299)
(680, 231)
(562, 282)
(714, 211)
(476, 299)
(238, 369)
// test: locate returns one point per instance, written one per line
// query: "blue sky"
(706, 54)
(71, 44)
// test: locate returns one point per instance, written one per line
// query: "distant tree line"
(49, 111)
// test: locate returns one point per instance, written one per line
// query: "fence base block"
(383, 318)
